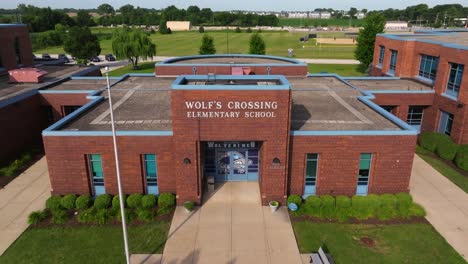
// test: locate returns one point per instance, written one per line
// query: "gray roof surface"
(397, 85)
(460, 38)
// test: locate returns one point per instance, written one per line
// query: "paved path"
(446, 204)
(20, 197)
(232, 227)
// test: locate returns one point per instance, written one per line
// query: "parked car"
(109, 57)
(95, 59)
(46, 56)
(64, 57)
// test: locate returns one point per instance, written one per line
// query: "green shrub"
(134, 200)
(83, 202)
(388, 207)
(417, 210)
(145, 215)
(404, 202)
(68, 201)
(374, 204)
(327, 209)
(164, 210)
(447, 150)
(116, 201)
(166, 200)
(461, 158)
(59, 217)
(54, 203)
(86, 216)
(189, 205)
(102, 216)
(343, 208)
(103, 201)
(430, 140)
(129, 216)
(296, 199)
(312, 205)
(148, 201)
(360, 207)
(36, 217)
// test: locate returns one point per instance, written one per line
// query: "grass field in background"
(145, 67)
(308, 22)
(340, 69)
(398, 243)
(187, 43)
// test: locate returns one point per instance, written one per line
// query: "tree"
(352, 12)
(374, 23)
(207, 46)
(132, 44)
(163, 27)
(257, 45)
(81, 44)
(84, 19)
(201, 29)
(105, 9)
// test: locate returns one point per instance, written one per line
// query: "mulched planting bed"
(396, 221)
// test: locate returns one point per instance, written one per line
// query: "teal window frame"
(311, 172)
(150, 170)
(97, 173)
(428, 66)
(454, 79)
(445, 123)
(381, 56)
(365, 164)
(393, 61)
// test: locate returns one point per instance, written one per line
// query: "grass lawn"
(145, 67)
(187, 43)
(441, 166)
(84, 244)
(340, 69)
(406, 243)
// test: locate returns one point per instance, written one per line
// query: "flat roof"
(230, 59)
(319, 104)
(8, 90)
(454, 39)
(81, 85)
(377, 84)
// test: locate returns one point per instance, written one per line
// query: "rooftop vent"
(27, 75)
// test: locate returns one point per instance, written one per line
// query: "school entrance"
(232, 161)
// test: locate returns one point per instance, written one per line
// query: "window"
(381, 56)
(428, 67)
(49, 114)
(17, 51)
(415, 115)
(445, 123)
(455, 79)
(388, 108)
(1, 62)
(311, 174)
(97, 174)
(364, 172)
(68, 109)
(151, 173)
(393, 61)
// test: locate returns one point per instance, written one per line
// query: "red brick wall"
(408, 66)
(273, 132)
(338, 165)
(403, 101)
(7, 52)
(57, 101)
(292, 70)
(21, 126)
(68, 170)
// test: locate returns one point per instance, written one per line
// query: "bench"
(321, 257)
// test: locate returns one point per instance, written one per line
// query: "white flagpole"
(117, 168)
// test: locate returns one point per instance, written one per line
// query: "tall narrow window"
(455, 79)
(428, 67)
(151, 173)
(445, 123)
(381, 56)
(393, 61)
(17, 51)
(68, 109)
(311, 174)
(364, 173)
(415, 116)
(97, 174)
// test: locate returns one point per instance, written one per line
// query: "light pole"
(117, 168)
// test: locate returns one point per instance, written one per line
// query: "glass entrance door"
(231, 165)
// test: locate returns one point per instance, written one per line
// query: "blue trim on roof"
(66, 91)
(106, 133)
(354, 133)
(17, 98)
(364, 78)
(414, 37)
(177, 84)
(401, 91)
(12, 25)
(170, 62)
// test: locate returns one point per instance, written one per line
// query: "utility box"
(27, 75)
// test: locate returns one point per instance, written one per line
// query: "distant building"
(314, 14)
(325, 15)
(396, 25)
(360, 15)
(179, 25)
(16, 48)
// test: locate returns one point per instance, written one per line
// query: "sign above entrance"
(222, 144)
(232, 109)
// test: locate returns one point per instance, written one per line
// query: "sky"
(253, 5)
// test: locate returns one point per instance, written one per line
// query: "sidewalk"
(232, 227)
(19, 198)
(446, 204)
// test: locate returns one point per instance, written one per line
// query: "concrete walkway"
(446, 204)
(19, 198)
(232, 227)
